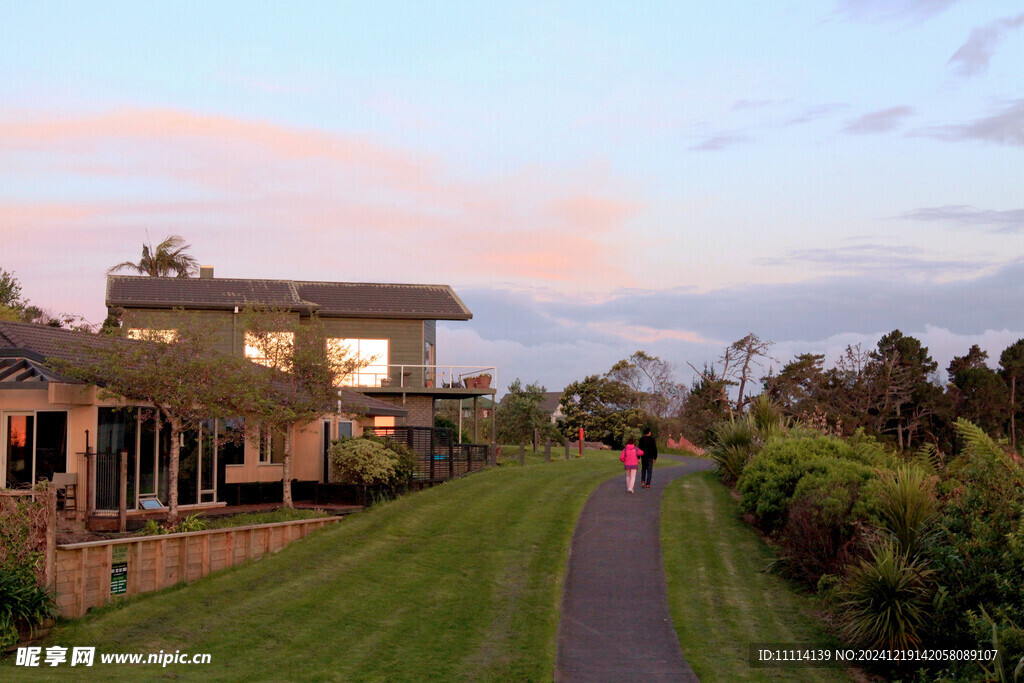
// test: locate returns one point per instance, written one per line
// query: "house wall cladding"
(406, 336)
(228, 327)
(83, 570)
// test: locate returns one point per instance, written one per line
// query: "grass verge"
(720, 597)
(462, 581)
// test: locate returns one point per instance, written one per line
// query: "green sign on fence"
(119, 570)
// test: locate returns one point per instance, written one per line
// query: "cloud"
(1009, 221)
(1002, 128)
(719, 142)
(237, 186)
(560, 339)
(911, 262)
(882, 121)
(887, 10)
(973, 56)
(815, 112)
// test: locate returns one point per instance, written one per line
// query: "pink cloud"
(646, 335)
(235, 188)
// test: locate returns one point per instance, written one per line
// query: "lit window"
(371, 355)
(271, 349)
(166, 336)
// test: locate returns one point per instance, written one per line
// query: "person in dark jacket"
(650, 449)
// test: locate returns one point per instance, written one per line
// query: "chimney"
(205, 272)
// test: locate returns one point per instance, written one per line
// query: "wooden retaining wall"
(84, 570)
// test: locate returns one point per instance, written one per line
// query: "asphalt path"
(615, 622)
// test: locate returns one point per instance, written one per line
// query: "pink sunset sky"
(591, 180)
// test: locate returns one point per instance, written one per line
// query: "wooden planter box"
(478, 382)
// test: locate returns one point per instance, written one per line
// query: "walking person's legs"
(630, 479)
(646, 471)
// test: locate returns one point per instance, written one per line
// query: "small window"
(166, 336)
(271, 445)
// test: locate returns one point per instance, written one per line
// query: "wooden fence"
(91, 574)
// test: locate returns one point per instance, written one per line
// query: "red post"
(581, 442)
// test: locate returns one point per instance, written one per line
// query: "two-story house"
(48, 422)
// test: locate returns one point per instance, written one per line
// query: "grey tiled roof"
(329, 299)
(434, 302)
(42, 341)
(214, 293)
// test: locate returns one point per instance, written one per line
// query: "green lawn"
(458, 582)
(720, 597)
(462, 581)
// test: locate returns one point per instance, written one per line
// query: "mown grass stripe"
(720, 597)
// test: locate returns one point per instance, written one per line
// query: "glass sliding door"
(117, 431)
(188, 467)
(35, 446)
(18, 447)
(51, 443)
(208, 463)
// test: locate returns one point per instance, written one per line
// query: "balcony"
(438, 380)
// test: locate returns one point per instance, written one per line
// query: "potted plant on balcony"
(482, 381)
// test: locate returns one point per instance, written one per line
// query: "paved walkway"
(615, 623)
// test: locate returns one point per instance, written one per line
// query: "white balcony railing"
(425, 376)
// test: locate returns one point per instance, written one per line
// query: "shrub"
(907, 508)
(886, 600)
(733, 443)
(979, 555)
(766, 416)
(369, 462)
(23, 603)
(826, 520)
(184, 525)
(407, 459)
(770, 478)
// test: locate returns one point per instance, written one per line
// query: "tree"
(519, 412)
(10, 291)
(706, 405)
(1011, 362)
(739, 360)
(605, 409)
(658, 394)
(15, 309)
(296, 380)
(799, 386)
(979, 394)
(900, 368)
(184, 380)
(167, 259)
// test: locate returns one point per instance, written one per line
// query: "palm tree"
(169, 258)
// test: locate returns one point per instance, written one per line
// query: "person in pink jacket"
(629, 457)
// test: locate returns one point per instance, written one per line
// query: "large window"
(133, 431)
(35, 446)
(372, 355)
